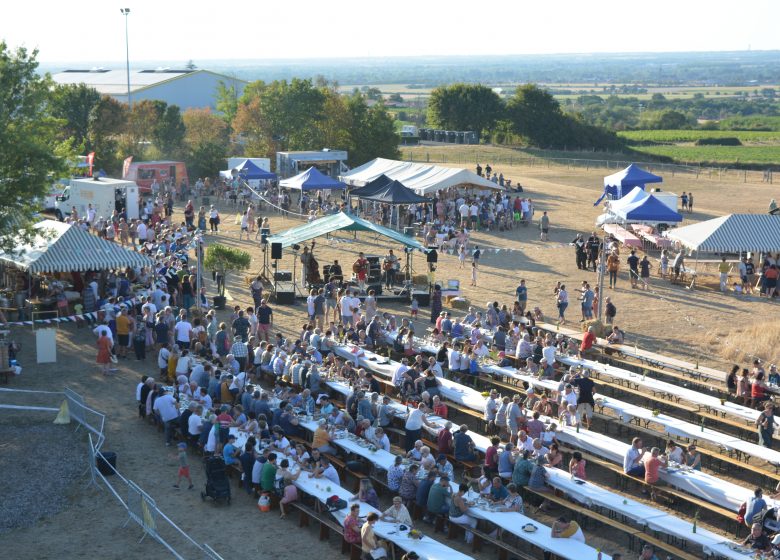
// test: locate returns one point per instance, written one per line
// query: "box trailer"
(144, 173)
(104, 194)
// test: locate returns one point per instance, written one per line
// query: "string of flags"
(91, 316)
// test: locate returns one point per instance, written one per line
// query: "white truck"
(104, 194)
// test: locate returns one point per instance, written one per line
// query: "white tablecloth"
(655, 385)
(428, 548)
(683, 429)
(514, 522)
(589, 494)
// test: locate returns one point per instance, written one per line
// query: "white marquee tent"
(733, 233)
(62, 247)
(422, 178)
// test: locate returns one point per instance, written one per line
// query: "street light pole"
(126, 12)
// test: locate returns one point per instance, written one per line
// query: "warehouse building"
(185, 88)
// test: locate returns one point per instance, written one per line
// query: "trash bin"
(409, 231)
(106, 462)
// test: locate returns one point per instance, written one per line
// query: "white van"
(104, 194)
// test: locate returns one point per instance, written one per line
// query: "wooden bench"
(340, 465)
(326, 525)
(505, 550)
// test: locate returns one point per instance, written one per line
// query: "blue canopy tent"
(648, 209)
(632, 176)
(250, 171)
(312, 180)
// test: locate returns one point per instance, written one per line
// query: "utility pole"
(126, 12)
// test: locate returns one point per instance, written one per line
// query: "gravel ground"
(39, 462)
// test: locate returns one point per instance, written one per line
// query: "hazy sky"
(93, 30)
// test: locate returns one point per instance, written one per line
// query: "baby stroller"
(217, 483)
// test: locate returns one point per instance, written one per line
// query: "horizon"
(238, 62)
(350, 29)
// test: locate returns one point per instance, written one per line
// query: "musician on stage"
(336, 273)
(389, 265)
(360, 268)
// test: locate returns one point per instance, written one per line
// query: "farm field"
(716, 155)
(677, 136)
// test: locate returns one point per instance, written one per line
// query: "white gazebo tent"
(733, 233)
(62, 247)
(424, 179)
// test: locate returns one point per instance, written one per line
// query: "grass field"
(677, 136)
(716, 155)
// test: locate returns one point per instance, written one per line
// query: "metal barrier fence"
(140, 506)
(496, 159)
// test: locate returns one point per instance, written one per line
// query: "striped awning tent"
(62, 247)
(733, 233)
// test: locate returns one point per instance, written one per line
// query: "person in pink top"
(652, 464)
(577, 466)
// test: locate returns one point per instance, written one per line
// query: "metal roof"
(67, 248)
(114, 82)
(732, 233)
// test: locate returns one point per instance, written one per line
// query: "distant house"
(185, 88)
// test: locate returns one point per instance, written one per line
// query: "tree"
(227, 102)
(142, 121)
(372, 133)
(536, 116)
(168, 133)
(464, 107)
(73, 103)
(107, 122)
(206, 142)
(27, 133)
(281, 116)
(224, 260)
(395, 98)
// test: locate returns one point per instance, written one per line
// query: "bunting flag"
(91, 316)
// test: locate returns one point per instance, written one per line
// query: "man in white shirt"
(167, 408)
(453, 359)
(162, 360)
(398, 376)
(548, 353)
(491, 407)
(414, 424)
(150, 306)
(434, 366)
(463, 210)
(327, 471)
(141, 232)
(195, 423)
(182, 330)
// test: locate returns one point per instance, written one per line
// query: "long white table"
(514, 522)
(428, 548)
(680, 428)
(697, 483)
(657, 386)
(590, 494)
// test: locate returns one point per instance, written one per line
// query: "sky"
(200, 30)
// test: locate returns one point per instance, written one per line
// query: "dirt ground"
(667, 319)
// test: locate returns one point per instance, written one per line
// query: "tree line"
(531, 116)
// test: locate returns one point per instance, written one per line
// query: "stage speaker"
(423, 298)
(432, 256)
(377, 287)
(283, 276)
(276, 250)
(285, 294)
